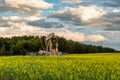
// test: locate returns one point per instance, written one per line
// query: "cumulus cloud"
(95, 38)
(72, 35)
(31, 7)
(77, 36)
(116, 10)
(24, 30)
(79, 2)
(44, 24)
(113, 39)
(16, 20)
(17, 26)
(111, 21)
(72, 1)
(88, 13)
(81, 14)
(90, 16)
(37, 31)
(3, 22)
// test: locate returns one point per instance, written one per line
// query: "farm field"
(66, 67)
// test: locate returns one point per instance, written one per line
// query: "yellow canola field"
(67, 67)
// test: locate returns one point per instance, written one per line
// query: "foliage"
(70, 46)
(67, 67)
(25, 44)
(2, 50)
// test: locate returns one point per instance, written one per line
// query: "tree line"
(25, 44)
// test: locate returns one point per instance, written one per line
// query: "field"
(67, 67)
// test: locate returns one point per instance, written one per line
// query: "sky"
(95, 22)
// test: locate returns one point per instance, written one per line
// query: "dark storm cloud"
(44, 24)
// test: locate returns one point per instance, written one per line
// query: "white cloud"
(14, 24)
(40, 4)
(116, 10)
(95, 38)
(81, 13)
(17, 29)
(90, 16)
(32, 18)
(110, 21)
(27, 6)
(72, 1)
(12, 18)
(89, 13)
(77, 36)
(23, 29)
(16, 20)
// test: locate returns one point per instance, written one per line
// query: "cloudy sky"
(94, 22)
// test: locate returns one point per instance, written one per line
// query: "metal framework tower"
(51, 44)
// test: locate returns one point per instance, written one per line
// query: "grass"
(68, 67)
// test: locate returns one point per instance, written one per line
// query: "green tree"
(2, 51)
(18, 49)
(62, 44)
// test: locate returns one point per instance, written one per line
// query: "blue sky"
(94, 22)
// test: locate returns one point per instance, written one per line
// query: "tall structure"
(50, 44)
